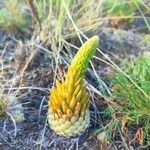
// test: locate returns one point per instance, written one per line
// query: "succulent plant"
(68, 112)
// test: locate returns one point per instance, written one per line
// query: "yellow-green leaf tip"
(84, 54)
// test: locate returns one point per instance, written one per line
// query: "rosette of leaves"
(68, 112)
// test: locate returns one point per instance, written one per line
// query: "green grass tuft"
(134, 104)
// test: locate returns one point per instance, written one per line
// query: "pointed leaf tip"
(95, 38)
